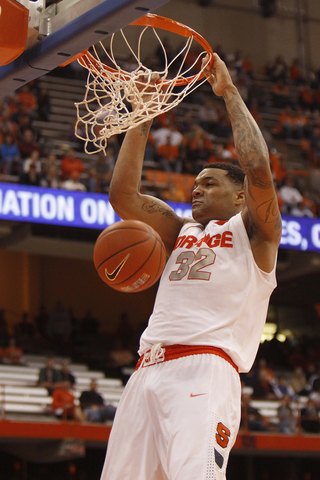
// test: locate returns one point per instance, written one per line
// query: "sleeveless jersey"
(212, 292)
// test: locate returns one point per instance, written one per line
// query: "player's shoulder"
(185, 220)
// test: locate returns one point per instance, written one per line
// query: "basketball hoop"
(106, 108)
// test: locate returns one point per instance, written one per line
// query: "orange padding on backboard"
(14, 19)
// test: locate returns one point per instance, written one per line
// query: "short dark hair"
(235, 173)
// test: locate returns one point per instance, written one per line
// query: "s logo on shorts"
(222, 435)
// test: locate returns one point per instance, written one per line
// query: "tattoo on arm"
(154, 207)
(144, 129)
(268, 212)
(248, 138)
(254, 160)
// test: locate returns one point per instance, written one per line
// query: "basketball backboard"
(65, 29)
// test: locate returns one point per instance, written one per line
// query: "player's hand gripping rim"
(218, 75)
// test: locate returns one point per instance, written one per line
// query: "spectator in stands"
(10, 160)
(295, 73)
(287, 420)
(93, 406)
(174, 194)
(28, 144)
(66, 375)
(74, 182)
(25, 123)
(33, 159)
(168, 140)
(242, 84)
(298, 381)
(280, 94)
(200, 153)
(266, 378)
(281, 387)
(12, 354)
(223, 127)
(103, 167)
(208, 115)
(49, 376)
(185, 123)
(251, 418)
(314, 380)
(248, 67)
(306, 99)
(24, 332)
(279, 173)
(169, 156)
(230, 147)
(44, 104)
(279, 69)
(290, 194)
(63, 404)
(301, 125)
(315, 146)
(7, 125)
(301, 210)
(59, 328)
(120, 357)
(309, 417)
(31, 177)
(49, 161)
(159, 136)
(221, 154)
(285, 124)
(22, 120)
(50, 179)
(69, 164)
(315, 395)
(27, 98)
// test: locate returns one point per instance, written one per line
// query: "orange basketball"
(129, 256)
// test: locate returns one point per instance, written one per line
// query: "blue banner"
(92, 210)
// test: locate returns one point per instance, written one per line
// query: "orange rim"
(163, 23)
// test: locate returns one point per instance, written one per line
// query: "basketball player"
(179, 414)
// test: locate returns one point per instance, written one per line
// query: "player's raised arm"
(125, 196)
(261, 216)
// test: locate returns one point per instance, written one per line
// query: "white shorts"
(176, 420)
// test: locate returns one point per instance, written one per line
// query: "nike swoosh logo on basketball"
(113, 275)
(197, 394)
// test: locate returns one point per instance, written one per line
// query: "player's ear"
(240, 197)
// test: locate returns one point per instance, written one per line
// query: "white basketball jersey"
(212, 293)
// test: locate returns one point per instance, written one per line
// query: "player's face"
(215, 196)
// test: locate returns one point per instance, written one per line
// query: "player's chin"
(196, 213)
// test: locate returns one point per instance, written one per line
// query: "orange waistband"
(172, 352)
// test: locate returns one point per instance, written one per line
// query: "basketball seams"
(151, 256)
(125, 248)
(104, 233)
(142, 265)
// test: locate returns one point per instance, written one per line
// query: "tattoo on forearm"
(253, 180)
(154, 207)
(248, 138)
(268, 211)
(144, 130)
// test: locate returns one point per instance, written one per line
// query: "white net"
(111, 91)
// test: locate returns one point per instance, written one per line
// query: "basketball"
(129, 256)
